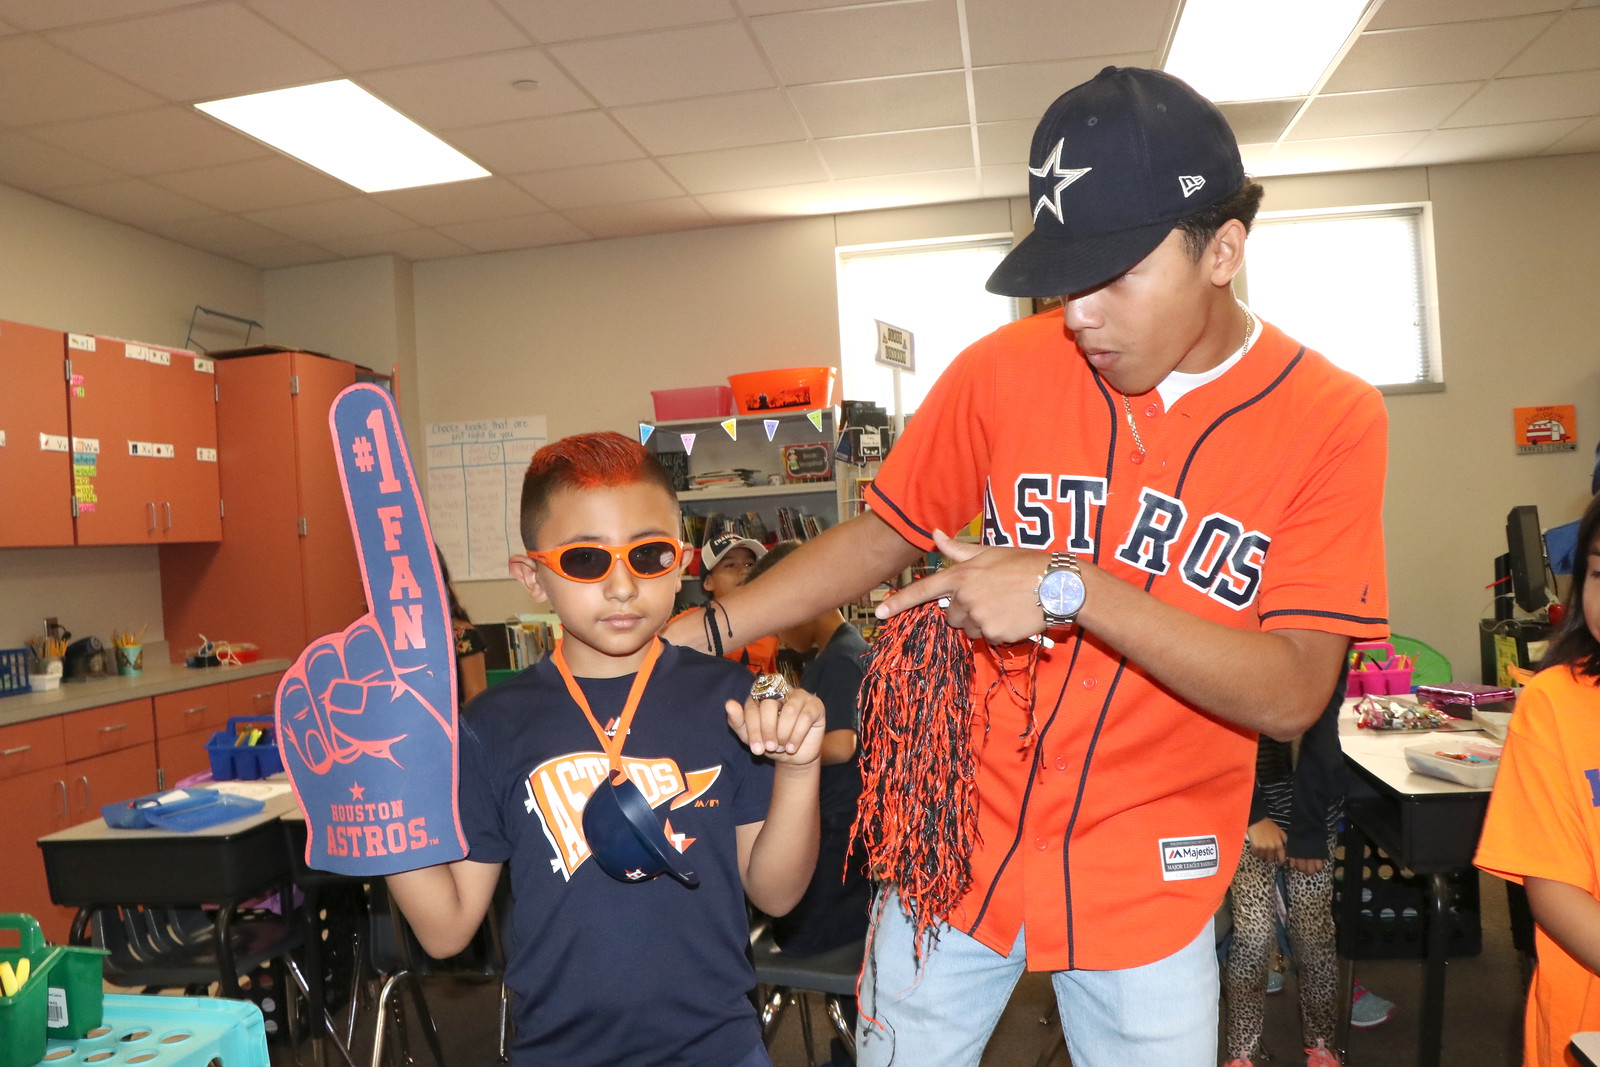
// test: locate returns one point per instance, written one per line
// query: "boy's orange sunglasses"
(592, 561)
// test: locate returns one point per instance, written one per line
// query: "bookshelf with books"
(767, 489)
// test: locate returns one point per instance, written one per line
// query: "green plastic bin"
(76, 992)
(23, 1015)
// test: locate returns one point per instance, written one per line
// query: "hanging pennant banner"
(731, 426)
(645, 430)
(688, 443)
(771, 426)
(815, 417)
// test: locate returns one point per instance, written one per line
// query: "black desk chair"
(791, 980)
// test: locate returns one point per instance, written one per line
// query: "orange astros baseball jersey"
(1113, 837)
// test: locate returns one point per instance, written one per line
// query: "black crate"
(1394, 909)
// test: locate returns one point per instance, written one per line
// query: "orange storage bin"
(794, 389)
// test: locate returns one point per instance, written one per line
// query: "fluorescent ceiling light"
(1259, 49)
(340, 128)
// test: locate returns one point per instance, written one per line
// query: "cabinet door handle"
(85, 780)
(62, 785)
(152, 508)
(168, 505)
(113, 729)
(19, 750)
(197, 709)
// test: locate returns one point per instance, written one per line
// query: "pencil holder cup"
(1395, 682)
(1356, 684)
(130, 659)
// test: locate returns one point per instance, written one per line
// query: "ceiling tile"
(1382, 111)
(174, 137)
(369, 34)
(473, 201)
(1339, 153)
(996, 182)
(901, 190)
(753, 205)
(477, 90)
(746, 168)
(1571, 43)
(198, 53)
(913, 102)
(565, 21)
(1489, 142)
(41, 83)
(1025, 90)
(574, 140)
(39, 167)
(654, 216)
(272, 182)
(1457, 52)
(898, 153)
(607, 183)
(1022, 30)
(1005, 142)
(711, 122)
(1256, 121)
(48, 14)
(415, 245)
(135, 202)
(1586, 138)
(861, 42)
(227, 236)
(666, 65)
(354, 216)
(1394, 13)
(527, 231)
(277, 257)
(1532, 99)
(773, 7)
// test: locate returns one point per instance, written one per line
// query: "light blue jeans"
(1161, 1013)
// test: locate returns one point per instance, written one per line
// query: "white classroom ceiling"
(660, 115)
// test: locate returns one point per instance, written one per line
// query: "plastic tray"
(1425, 759)
(183, 810)
(169, 1032)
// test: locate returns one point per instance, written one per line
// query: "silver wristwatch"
(1060, 590)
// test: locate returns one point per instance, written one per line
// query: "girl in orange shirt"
(1543, 826)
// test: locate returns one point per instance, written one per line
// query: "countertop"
(154, 681)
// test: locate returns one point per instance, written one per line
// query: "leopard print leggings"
(1310, 936)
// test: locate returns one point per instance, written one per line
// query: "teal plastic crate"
(169, 1032)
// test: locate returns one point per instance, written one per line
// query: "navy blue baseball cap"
(626, 839)
(1115, 163)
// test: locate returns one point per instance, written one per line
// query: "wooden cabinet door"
(180, 755)
(329, 569)
(36, 805)
(188, 399)
(35, 445)
(116, 776)
(253, 696)
(117, 479)
(109, 728)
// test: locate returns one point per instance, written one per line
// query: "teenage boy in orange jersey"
(611, 964)
(1189, 503)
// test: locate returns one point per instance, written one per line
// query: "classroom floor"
(1483, 1013)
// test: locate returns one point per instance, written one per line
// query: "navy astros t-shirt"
(608, 972)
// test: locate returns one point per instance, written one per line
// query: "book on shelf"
(736, 477)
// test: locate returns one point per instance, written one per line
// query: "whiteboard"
(475, 491)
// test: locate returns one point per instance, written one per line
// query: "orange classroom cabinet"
(35, 445)
(185, 721)
(144, 438)
(286, 570)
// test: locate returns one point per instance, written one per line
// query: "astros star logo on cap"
(1052, 168)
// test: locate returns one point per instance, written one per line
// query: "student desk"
(1427, 825)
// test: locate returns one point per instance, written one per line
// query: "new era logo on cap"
(1191, 184)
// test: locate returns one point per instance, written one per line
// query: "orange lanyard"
(613, 744)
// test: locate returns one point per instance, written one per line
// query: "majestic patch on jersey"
(1217, 556)
(1052, 168)
(1183, 858)
(558, 789)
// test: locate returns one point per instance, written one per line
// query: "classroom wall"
(68, 270)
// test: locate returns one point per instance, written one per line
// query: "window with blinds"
(1356, 285)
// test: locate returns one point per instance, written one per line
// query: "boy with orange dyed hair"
(617, 748)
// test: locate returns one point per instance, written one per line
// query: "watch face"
(1061, 593)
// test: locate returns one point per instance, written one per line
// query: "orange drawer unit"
(108, 728)
(35, 446)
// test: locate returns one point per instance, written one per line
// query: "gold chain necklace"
(1127, 407)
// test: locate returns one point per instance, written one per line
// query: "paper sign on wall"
(895, 348)
(1548, 428)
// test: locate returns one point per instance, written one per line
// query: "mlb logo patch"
(1189, 857)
